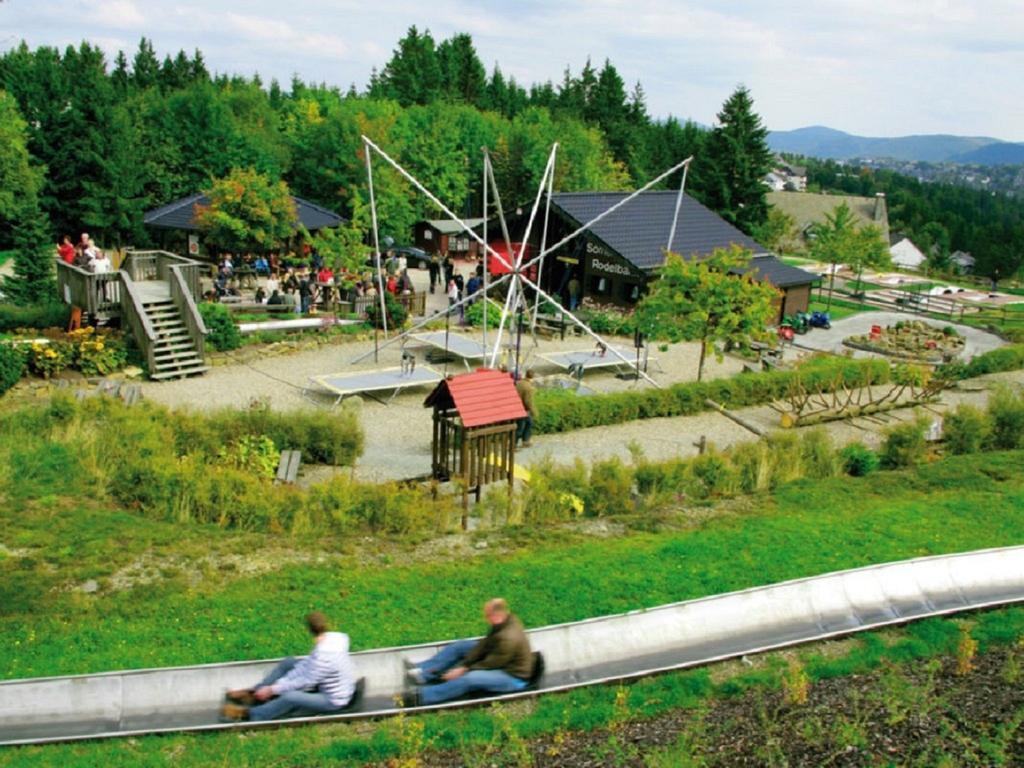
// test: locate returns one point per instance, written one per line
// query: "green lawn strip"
(840, 309)
(803, 529)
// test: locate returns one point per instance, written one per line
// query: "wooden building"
(615, 259)
(446, 235)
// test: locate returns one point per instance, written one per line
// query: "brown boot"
(234, 712)
(244, 696)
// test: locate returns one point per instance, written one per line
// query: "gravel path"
(831, 340)
(398, 432)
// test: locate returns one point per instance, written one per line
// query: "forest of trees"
(112, 139)
(939, 218)
(93, 144)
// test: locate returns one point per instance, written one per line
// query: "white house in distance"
(905, 254)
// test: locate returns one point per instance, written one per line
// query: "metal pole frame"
(544, 241)
(515, 273)
(675, 216)
(376, 240)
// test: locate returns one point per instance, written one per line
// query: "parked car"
(414, 257)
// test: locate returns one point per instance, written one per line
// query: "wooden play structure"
(474, 439)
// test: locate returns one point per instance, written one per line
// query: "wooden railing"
(414, 303)
(156, 265)
(91, 292)
(134, 317)
(184, 300)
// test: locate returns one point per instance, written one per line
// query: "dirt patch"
(922, 713)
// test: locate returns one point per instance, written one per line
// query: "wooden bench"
(288, 467)
(553, 324)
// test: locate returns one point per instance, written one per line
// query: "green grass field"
(840, 309)
(197, 604)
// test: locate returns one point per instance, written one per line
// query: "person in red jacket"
(66, 250)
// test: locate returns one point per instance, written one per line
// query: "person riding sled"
(320, 684)
(499, 662)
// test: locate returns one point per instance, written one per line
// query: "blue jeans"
(490, 680)
(291, 703)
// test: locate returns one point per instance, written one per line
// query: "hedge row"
(12, 365)
(13, 317)
(563, 410)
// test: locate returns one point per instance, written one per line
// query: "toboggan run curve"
(595, 651)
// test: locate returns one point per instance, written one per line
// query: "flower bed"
(911, 340)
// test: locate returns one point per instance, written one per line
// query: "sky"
(869, 67)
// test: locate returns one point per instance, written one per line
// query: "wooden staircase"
(174, 352)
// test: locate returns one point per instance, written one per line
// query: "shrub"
(48, 359)
(608, 493)
(222, 333)
(396, 312)
(754, 465)
(335, 437)
(1008, 358)
(37, 316)
(97, 353)
(904, 444)
(255, 454)
(1006, 414)
(858, 460)
(714, 475)
(966, 429)
(12, 365)
(475, 313)
(819, 456)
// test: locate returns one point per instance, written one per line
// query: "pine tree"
(413, 75)
(32, 281)
(737, 159)
(463, 78)
(145, 66)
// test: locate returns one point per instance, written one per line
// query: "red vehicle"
(496, 268)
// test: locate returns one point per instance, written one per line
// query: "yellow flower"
(99, 346)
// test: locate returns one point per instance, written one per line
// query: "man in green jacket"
(499, 662)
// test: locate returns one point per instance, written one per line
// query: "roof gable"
(483, 397)
(639, 230)
(808, 208)
(181, 214)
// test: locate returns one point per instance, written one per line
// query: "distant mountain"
(1000, 153)
(820, 141)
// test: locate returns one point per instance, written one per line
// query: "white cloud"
(880, 67)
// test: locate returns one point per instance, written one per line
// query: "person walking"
(524, 426)
(499, 662)
(434, 268)
(322, 683)
(575, 289)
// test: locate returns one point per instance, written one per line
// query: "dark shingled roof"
(777, 273)
(180, 214)
(638, 231)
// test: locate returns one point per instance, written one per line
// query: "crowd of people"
(305, 286)
(325, 682)
(84, 254)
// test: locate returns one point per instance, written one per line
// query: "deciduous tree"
(248, 211)
(709, 301)
(839, 240)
